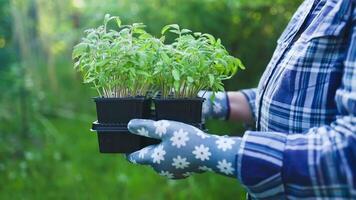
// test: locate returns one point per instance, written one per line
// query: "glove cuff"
(219, 108)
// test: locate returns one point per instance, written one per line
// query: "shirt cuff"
(259, 164)
(250, 95)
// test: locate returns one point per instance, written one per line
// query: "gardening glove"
(216, 109)
(184, 149)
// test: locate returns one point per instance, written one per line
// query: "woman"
(304, 110)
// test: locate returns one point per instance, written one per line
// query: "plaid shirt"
(305, 107)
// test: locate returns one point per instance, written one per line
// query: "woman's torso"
(297, 89)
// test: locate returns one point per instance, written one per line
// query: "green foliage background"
(46, 148)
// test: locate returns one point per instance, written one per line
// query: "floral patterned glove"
(184, 149)
(218, 109)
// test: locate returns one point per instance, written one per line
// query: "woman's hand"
(184, 149)
(231, 106)
(217, 108)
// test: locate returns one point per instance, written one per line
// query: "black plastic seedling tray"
(115, 113)
(117, 139)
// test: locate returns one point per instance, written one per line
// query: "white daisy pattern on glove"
(214, 108)
(201, 133)
(217, 108)
(132, 160)
(224, 143)
(220, 95)
(179, 138)
(225, 167)
(180, 163)
(161, 127)
(201, 152)
(205, 108)
(143, 152)
(166, 174)
(184, 149)
(187, 174)
(205, 168)
(143, 132)
(158, 154)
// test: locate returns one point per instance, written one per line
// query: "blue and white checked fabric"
(305, 107)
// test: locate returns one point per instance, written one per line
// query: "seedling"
(117, 63)
(194, 61)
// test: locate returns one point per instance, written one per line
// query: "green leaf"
(106, 18)
(175, 31)
(165, 58)
(110, 34)
(102, 63)
(210, 37)
(240, 64)
(164, 29)
(233, 70)
(167, 27)
(146, 74)
(89, 79)
(211, 80)
(79, 49)
(139, 31)
(197, 34)
(174, 26)
(220, 87)
(144, 36)
(118, 21)
(176, 85)
(212, 97)
(92, 35)
(138, 25)
(76, 65)
(220, 68)
(176, 74)
(223, 62)
(185, 31)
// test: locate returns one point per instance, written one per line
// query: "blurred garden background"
(46, 148)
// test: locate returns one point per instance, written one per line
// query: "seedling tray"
(115, 113)
(117, 139)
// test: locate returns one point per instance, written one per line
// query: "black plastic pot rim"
(97, 127)
(178, 99)
(137, 98)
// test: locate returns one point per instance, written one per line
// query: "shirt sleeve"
(320, 162)
(250, 95)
